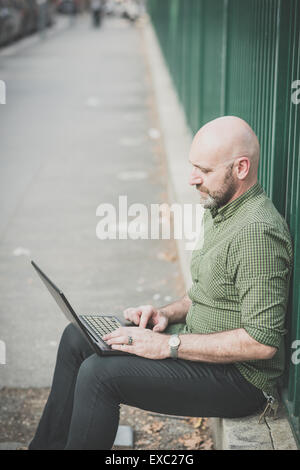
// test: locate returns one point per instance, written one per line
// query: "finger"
(161, 325)
(128, 313)
(133, 315)
(122, 347)
(113, 334)
(146, 314)
(158, 328)
(136, 318)
(118, 340)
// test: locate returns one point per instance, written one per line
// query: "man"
(97, 11)
(219, 350)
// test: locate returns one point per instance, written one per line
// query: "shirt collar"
(230, 208)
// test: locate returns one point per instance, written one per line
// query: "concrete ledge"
(247, 434)
(228, 434)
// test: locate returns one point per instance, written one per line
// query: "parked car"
(10, 21)
(18, 18)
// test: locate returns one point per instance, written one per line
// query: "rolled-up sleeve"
(259, 262)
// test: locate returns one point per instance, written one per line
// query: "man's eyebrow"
(202, 168)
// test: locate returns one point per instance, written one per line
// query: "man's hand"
(145, 343)
(145, 314)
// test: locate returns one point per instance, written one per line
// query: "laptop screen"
(58, 296)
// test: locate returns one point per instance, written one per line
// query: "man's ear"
(243, 167)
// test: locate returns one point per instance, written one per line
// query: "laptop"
(93, 327)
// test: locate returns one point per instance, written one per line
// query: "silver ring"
(130, 340)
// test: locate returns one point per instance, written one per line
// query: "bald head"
(227, 138)
(225, 157)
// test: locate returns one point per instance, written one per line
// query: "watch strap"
(174, 349)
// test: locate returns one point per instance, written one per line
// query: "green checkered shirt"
(241, 277)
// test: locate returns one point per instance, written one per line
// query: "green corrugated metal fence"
(233, 57)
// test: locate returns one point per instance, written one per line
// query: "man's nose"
(195, 177)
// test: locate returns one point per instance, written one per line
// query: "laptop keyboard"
(101, 324)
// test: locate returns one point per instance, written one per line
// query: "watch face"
(174, 341)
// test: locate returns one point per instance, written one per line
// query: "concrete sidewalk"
(75, 134)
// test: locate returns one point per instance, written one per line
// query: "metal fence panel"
(228, 57)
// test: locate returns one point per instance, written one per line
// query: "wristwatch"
(174, 343)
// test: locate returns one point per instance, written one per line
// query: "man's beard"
(217, 199)
(208, 202)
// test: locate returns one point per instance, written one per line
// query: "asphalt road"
(74, 134)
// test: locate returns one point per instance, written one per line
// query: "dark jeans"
(82, 411)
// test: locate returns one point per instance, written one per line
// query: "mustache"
(199, 187)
